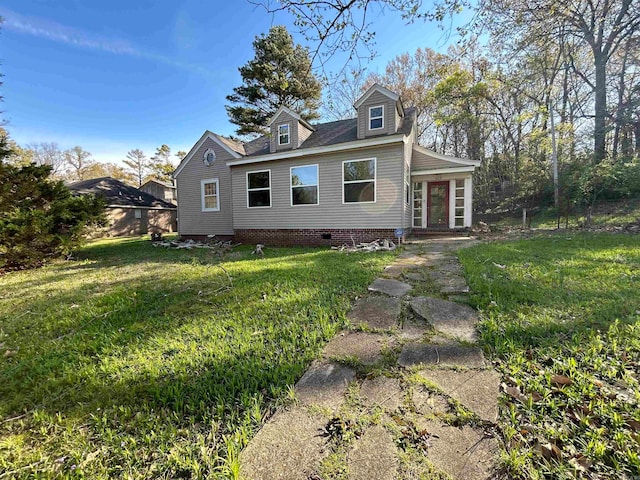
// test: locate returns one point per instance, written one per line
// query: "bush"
(39, 217)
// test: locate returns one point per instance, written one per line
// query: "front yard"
(561, 314)
(138, 362)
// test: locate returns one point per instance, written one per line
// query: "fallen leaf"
(581, 463)
(500, 266)
(536, 397)
(559, 380)
(548, 450)
(634, 425)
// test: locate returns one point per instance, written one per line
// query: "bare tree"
(78, 160)
(48, 153)
(138, 164)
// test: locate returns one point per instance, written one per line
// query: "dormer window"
(376, 117)
(283, 134)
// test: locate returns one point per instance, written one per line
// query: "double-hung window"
(259, 189)
(376, 117)
(210, 195)
(283, 134)
(304, 185)
(359, 181)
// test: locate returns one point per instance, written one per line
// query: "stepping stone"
(367, 347)
(428, 403)
(376, 312)
(446, 355)
(290, 445)
(478, 390)
(416, 277)
(373, 456)
(447, 317)
(449, 283)
(414, 329)
(464, 453)
(382, 391)
(324, 384)
(393, 288)
(451, 267)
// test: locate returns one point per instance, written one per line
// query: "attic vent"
(120, 193)
(139, 197)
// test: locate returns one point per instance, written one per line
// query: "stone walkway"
(406, 393)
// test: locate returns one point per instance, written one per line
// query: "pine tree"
(161, 165)
(138, 164)
(279, 74)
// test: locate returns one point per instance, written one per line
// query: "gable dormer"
(288, 130)
(380, 112)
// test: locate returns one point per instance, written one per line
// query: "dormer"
(288, 130)
(380, 112)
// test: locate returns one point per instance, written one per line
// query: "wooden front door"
(438, 204)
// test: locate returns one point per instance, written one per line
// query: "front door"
(438, 204)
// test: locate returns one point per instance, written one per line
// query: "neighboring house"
(159, 189)
(358, 179)
(130, 211)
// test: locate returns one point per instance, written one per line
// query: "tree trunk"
(600, 124)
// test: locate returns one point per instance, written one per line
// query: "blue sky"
(113, 76)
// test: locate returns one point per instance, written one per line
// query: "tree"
(161, 165)
(78, 160)
(345, 90)
(39, 218)
(278, 75)
(335, 26)
(138, 164)
(107, 169)
(48, 153)
(600, 27)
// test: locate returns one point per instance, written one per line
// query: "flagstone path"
(405, 394)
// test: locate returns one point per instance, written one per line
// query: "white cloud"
(56, 32)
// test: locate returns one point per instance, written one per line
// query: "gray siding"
(303, 133)
(425, 162)
(191, 219)
(374, 100)
(386, 212)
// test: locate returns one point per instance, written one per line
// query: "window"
(283, 134)
(259, 189)
(459, 206)
(137, 213)
(209, 157)
(359, 181)
(417, 204)
(304, 185)
(210, 195)
(376, 118)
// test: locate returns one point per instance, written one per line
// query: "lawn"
(561, 317)
(140, 362)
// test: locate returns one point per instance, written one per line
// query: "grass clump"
(140, 362)
(561, 314)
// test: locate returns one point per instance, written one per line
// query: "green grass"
(605, 214)
(142, 362)
(561, 314)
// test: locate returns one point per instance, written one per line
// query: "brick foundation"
(312, 237)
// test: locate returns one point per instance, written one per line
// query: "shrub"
(39, 218)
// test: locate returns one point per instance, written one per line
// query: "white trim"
(447, 158)
(258, 189)
(369, 142)
(207, 134)
(376, 88)
(217, 195)
(317, 185)
(381, 117)
(452, 203)
(468, 201)
(439, 171)
(375, 179)
(288, 125)
(143, 208)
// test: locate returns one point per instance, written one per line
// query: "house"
(358, 179)
(159, 189)
(130, 211)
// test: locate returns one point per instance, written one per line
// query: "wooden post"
(524, 218)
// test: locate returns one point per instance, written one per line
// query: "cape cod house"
(362, 179)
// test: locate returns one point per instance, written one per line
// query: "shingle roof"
(160, 182)
(326, 134)
(117, 193)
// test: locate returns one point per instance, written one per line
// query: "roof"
(291, 113)
(118, 193)
(159, 182)
(327, 134)
(376, 87)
